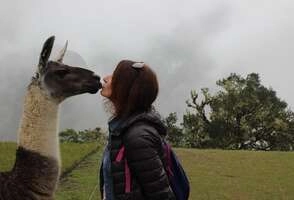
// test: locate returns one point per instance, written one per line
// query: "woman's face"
(106, 86)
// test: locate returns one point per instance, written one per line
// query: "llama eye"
(61, 73)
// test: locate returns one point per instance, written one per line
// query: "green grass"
(71, 154)
(214, 174)
(7, 155)
(82, 182)
(239, 175)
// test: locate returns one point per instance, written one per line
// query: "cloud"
(190, 45)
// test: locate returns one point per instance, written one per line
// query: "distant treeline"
(243, 114)
(88, 135)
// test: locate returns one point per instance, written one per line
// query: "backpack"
(177, 177)
(175, 172)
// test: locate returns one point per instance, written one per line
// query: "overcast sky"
(189, 44)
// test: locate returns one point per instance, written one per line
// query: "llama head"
(61, 81)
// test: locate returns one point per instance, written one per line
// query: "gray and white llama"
(37, 167)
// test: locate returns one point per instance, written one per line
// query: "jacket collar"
(118, 125)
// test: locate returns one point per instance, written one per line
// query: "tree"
(87, 135)
(92, 135)
(195, 135)
(69, 135)
(175, 135)
(243, 110)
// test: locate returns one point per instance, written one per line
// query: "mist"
(189, 44)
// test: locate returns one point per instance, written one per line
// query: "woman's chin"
(102, 93)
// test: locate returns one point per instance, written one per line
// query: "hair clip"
(138, 65)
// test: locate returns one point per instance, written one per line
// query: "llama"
(37, 167)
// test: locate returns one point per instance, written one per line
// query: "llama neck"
(38, 130)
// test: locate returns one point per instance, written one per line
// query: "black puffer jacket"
(140, 134)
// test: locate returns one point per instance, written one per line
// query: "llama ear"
(45, 53)
(62, 53)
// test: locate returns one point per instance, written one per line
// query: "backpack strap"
(127, 177)
(119, 157)
(167, 150)
(120, 154)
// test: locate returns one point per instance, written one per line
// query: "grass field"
(82, 183)
(239, 175)
(71, 154)
(214, 174)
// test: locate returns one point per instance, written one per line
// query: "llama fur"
(37, 167)
(36, 171)
(39, 123)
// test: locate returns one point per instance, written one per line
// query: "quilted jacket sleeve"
(143, 144)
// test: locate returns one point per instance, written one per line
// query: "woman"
(131, 89)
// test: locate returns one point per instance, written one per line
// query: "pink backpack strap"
(119, 157)
(120, 154)
(167, 149)
(127, 177)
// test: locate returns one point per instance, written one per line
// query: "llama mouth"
(100, 85)
(93, 88)
(93, 91)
